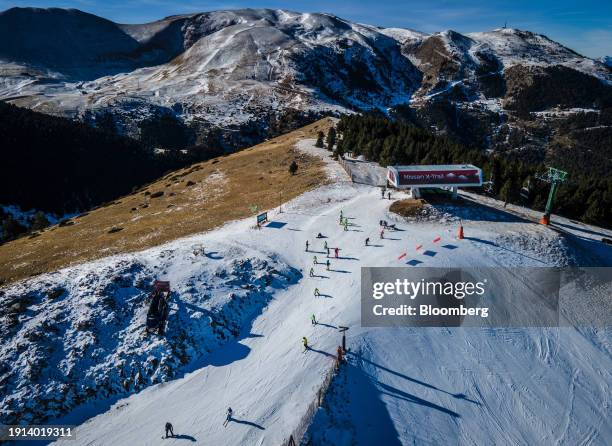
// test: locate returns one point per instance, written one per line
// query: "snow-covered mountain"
(606, 60)
(246, 69)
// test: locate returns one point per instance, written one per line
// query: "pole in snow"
(555, 177)
(342, 329)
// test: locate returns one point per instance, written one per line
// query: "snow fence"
(298, 436)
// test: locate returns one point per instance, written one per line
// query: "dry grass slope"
(191, 200)
(408, 208)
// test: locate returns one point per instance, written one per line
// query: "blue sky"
(585, 26)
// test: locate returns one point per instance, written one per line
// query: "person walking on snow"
(313, 320)
(306, 245)
(169, 430)
(367, 243)
(327, 264)
(316, 292)
(228, 416)
(311, 272)
(389, 195)
(382, 233)
(336, 252)
(305, 343)
(325, 244)
(382, 193)
(314, 260)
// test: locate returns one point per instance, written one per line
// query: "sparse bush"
(293, 167)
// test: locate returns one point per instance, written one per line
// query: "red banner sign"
(441, 177)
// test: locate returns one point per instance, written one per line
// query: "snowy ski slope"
(406, 386)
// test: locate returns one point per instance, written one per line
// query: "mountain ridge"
(227, 76)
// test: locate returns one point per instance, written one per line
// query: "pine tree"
(39, 221)
(11, 228)
(319, 142)
(339, 152)
(331, 138)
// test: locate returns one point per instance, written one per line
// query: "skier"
(306, 245)
(169, 431)
(382, 233)
(316, 292)
(228, 416)
(327, 264)
(311, 272)
(313, 320)
(305, 343)
(367, 243)
(314, 260)
(336, 252)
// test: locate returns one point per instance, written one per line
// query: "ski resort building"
(447, 176)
